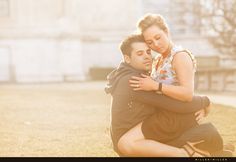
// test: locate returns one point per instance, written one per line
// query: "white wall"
(57, 40)
(100, 54)
(71, 60)
(4, 63)
(45, 60)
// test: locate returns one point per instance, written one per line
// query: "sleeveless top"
(162, 70)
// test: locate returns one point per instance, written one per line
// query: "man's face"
(141, 58)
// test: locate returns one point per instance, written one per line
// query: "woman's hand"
(145, 83)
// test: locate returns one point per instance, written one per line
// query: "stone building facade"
(61, 40)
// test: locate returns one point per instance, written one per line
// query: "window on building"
(4, 8)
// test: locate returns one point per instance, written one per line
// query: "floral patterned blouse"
(162, 70)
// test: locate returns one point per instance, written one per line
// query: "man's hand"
(208, 109)
(202, 113)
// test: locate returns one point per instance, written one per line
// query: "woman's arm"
(164, 102)
(183, 66)
(184, 69)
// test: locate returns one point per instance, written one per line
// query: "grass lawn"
(69, 120)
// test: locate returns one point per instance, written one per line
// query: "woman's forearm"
(178, 92)
(183, 92)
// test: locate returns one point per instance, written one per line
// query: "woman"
(172, 75)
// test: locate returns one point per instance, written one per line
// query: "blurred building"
(215, 72)
(62, 40)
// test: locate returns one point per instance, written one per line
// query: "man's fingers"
(197, 113)
(198, 118)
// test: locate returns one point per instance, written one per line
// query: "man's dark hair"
(125, 45)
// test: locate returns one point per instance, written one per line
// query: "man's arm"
(170, 104)
(162, 101)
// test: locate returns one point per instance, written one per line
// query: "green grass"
(69, 120)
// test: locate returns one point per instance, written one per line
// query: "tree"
(219, 20)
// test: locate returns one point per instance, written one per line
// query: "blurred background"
(77, 40)
(55, 56)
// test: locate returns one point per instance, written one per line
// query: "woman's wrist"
(156, 86)
(159, 89)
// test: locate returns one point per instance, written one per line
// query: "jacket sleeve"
(167, 103)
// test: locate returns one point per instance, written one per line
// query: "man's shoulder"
(123, 84)
(128, 76)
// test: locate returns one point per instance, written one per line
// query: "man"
(130, 108)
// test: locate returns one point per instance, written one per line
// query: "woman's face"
(157, 39)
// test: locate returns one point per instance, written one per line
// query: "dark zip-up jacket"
(131, 107)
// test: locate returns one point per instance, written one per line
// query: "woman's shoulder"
(180, 53)
(179, 49)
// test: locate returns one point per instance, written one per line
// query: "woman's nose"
(156, 43)
(147, 55)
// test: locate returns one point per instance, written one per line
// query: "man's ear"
(127, 59)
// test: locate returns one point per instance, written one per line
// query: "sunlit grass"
(69, 120)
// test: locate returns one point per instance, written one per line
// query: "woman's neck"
(167, 52)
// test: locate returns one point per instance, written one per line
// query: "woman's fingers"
(136, 78)
(137, 89)
(145, 76)
(134, 82)
(134, 85)
(144, 83)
